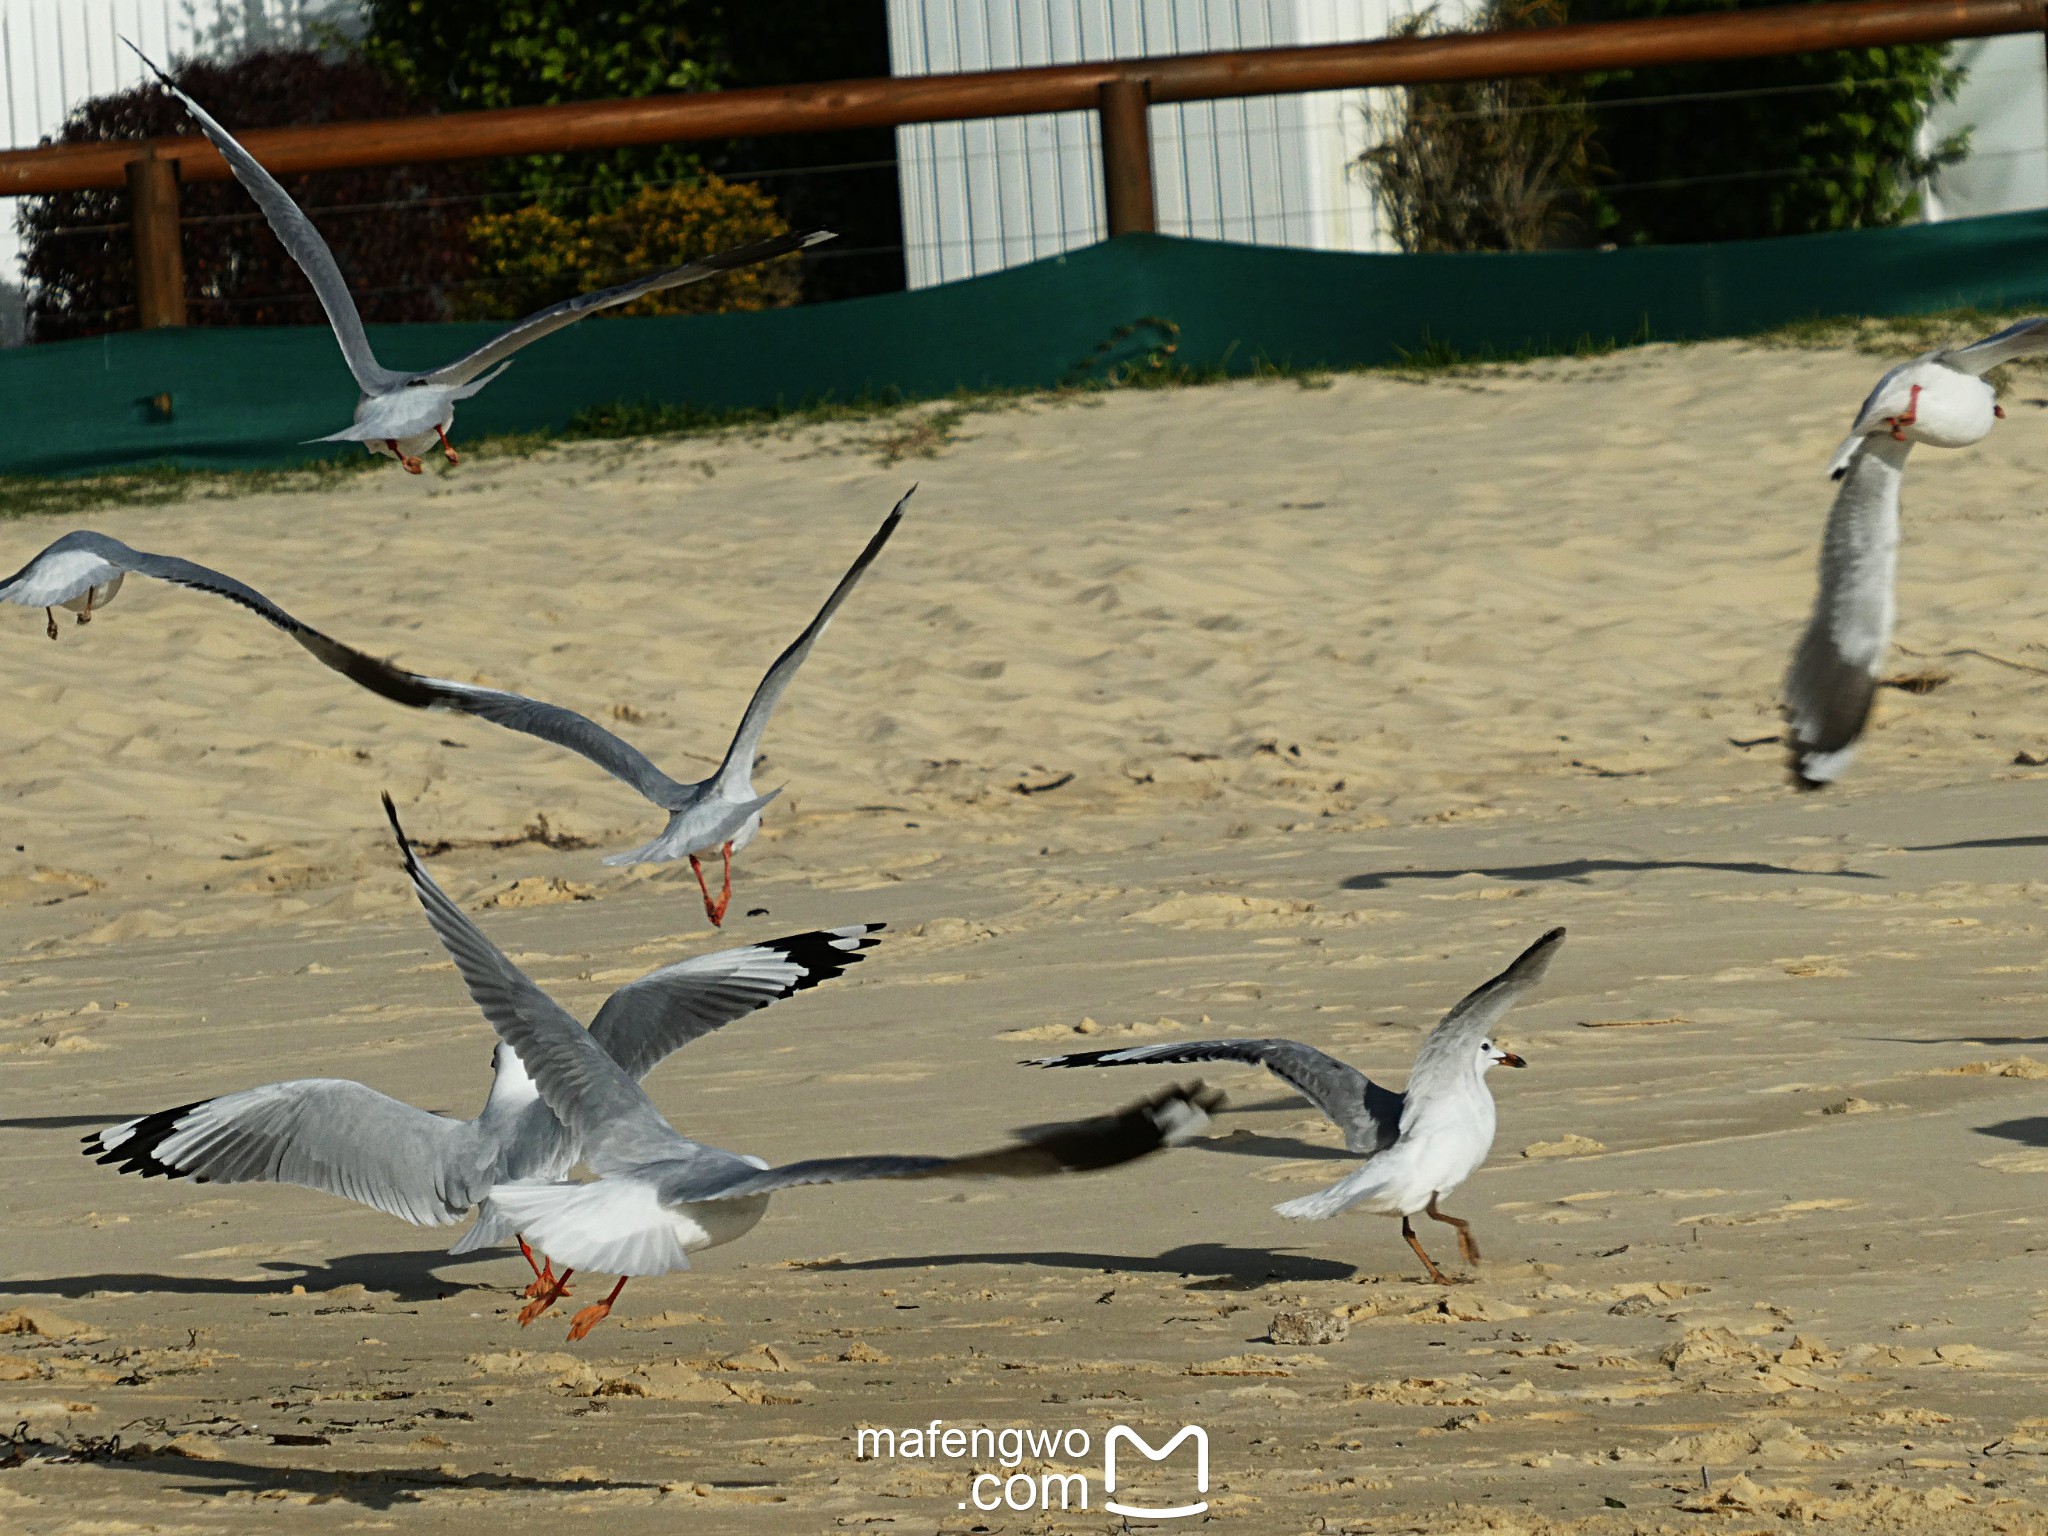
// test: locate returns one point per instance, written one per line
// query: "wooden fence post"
(159, 250)
(1127, 156)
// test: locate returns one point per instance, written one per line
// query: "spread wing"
(323, 1133)
(1456, 1037)
(1367, 1114)
(588, 1091)
(83, 560)
(300, 238)
(2024, 338)
(1081, 1146)
(1833, 677)
(554, 318)
(738, 766)
(645, 1020)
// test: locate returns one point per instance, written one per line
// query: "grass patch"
(158, 485)
(1898, 337)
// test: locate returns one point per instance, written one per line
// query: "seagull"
(720, 814)
(658, 1196)
(344, 1139)
(404, 414)
(1420, 1144)
(1939, 398)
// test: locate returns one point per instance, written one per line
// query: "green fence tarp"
(248, 398)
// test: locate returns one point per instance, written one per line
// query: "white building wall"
(984, 195)
(57, 54)
(981, 196)
(2004, 104)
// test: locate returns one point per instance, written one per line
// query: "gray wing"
(746, 742)
(300, 238)
(1459, 1032)
(323, 1133)
(645, 1020)
(1833, 676)
(547, 321)
(550, 722)
(1082, 1146)
(588, 1091)
(1367, 1114)
(2021, 339)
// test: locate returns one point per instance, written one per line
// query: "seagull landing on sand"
(1421, 1143)
(405, 414)
(1941, 399)
(720, 814)
(345, 1139)
(658, 1196)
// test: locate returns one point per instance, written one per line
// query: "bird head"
(1491, 1055)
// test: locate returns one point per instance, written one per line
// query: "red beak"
(1510, 1059)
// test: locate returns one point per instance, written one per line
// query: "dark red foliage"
(398, 243)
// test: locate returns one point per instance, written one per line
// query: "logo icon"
(1138, 1443)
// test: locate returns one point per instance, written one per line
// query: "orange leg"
(50, 618)
(412, 465)
(543, 1274)
(714, 908)
(447, 448)
(595, 1313)
(1466, 1245)
(558, 1287)
(1900, 423)
(1406, 1231)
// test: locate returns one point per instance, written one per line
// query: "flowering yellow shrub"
(533, 257)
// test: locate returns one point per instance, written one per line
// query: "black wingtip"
(137, 1154)
(148, 63)
(397, 830)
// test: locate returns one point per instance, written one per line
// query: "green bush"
(534, 256)
(1822, 141)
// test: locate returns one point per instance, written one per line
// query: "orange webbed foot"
(555, 1288)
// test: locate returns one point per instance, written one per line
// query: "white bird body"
(1929, 400)
(659, 1196)
(404, 414)
(345, 1139)
(1833, 678)
(719, 815)
(1419, 1144)
(1942, 399)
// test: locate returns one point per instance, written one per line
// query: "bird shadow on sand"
(1963, 1039)
(1580, 869)
(406, 1275)
(2034, 840)
(1217, 1261)
(2030, 1132)
(59, 1122)
(1242, 1143)
(370, 1487)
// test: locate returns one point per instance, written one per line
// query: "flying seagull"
(404, 414)
(344, 1139)
(720, 814)
(1941, 399)
(658, 1196)
(1419, 1144)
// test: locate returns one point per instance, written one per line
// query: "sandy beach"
(1271, 708)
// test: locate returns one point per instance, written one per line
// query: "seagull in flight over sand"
(344, 1139)
(404, 414)
(720, 814)
(1939, 398)
(659, 1196)
(1420, 1144)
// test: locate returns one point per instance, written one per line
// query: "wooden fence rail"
(1119, 90)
